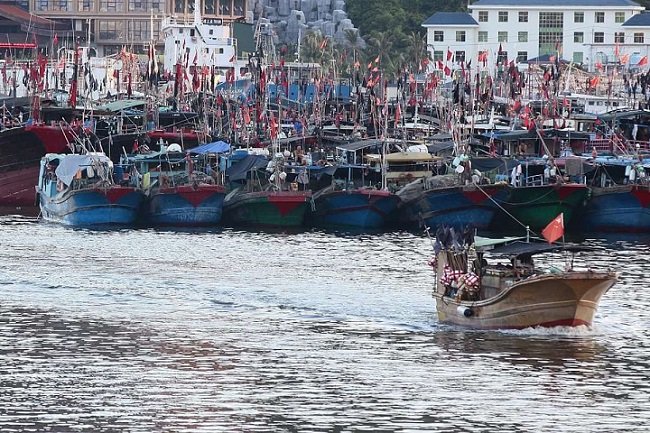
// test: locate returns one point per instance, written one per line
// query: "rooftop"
(450, 18)
(638, 20)
(562, 3)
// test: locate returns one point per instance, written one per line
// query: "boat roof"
(521, 248)
(404, 157)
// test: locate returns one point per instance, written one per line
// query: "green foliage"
(393, 28)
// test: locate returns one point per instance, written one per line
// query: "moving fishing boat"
(514, 293)
(181, 189)
(79, 190)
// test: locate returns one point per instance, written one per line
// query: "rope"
(505, 211)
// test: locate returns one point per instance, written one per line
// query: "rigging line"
(505, 211)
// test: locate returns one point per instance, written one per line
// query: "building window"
(578, 17)
(522, 37)
(138, 30)
(599, 17)
(239, 8)
(482, 36)
(502, 37)
(460, 56)
(52, 5)
(179, 6)
(619, 37)
(482, 16)
(578, 57)
(86, 5)
(619, 17)
(111, 5)
(523, 17)
(208, 7)
(502, 57)
(438, 36)
(224, 8)
(503, 16)
(599, 37)
(437, 55)
(522, 56)
(460, 36)
(551, 28)
(638, 38)
(578, 37)
(111, 30)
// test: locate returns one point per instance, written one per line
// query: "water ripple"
(227, 330)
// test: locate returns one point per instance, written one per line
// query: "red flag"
(323, 44)
(56, 39)
(440, 65)
(449, 54)
(643, 61)
(555, 229)
(232, 59)
(447, 71)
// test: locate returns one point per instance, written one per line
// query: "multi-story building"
(109, 25)
(587, 32)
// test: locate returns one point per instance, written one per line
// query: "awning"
(124, 104)
(215, 147)
(240, 170)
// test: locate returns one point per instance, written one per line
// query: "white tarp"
(71, 164)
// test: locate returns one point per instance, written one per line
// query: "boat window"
(191, 32)
(591, 102)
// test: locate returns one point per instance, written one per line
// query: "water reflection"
(236, 330)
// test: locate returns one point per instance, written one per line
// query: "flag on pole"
(449, 54)
(643, 61)
(555, 229)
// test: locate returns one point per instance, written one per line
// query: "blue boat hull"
(185, 206)
(357, 208)
(92, 207)
(455, 206)
(617, 209)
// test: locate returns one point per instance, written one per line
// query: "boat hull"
(564, 299)
(185, 205)
(536, 206)
(617, 209)
(458, 206)
(371, 209)
(267, 208)
(21, 150)
(116, 205)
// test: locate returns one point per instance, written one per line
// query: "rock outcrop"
(292, 19)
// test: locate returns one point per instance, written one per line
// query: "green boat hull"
(267, 208)
(536, 206)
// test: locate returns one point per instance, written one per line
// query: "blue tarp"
(216, 147)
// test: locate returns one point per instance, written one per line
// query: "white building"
(586, 32)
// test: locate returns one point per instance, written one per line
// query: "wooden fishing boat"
(620, 208)
(469, 292)
(180, 189)
(261, 197)
(535, 206)
(355, 207)
(79, 190)
(443, 201)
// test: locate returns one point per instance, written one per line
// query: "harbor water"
(156, 330)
